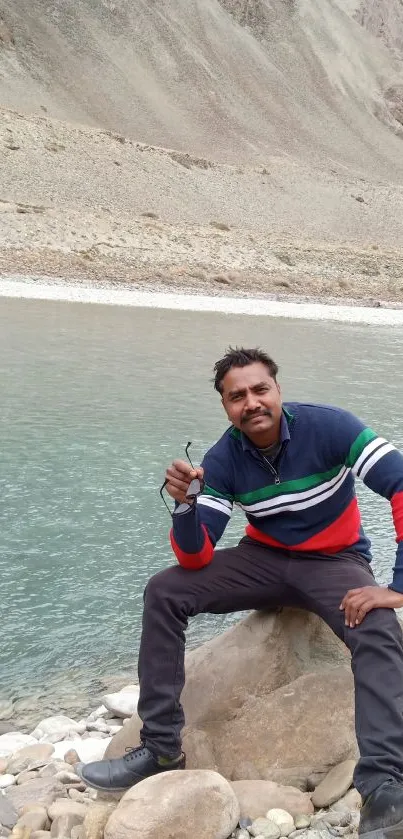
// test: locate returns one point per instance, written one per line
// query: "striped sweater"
(307, 500)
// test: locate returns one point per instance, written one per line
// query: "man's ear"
(222, 403)
(278, 387)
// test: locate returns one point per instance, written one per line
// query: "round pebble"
(282, 819)
(6, 781)
(302, 821)
(264, 827)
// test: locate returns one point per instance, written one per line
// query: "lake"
(95, 402)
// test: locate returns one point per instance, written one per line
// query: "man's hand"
(359, 601)
(178, 477)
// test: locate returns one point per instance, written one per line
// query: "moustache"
(247, 417)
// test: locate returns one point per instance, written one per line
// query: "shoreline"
(47, 289)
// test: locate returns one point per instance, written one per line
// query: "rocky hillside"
(231, 79)
(253, 144)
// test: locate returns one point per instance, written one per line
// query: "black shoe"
(382, 813)
(124, 772)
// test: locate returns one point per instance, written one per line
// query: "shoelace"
(132, 754)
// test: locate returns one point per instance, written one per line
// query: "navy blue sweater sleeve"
(380, 465)
(194, 534)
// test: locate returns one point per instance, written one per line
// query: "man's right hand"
(178, 477)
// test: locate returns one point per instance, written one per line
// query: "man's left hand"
(359, 601)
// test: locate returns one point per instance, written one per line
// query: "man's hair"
(241, 357)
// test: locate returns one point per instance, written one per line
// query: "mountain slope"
(234, 80)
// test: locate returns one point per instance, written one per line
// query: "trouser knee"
(163, 585)
(379, 628)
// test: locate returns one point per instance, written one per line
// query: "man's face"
(252, 401)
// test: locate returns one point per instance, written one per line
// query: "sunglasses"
(194, 489)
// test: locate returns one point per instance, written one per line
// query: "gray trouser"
(253, 576)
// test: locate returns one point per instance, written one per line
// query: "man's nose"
(252, 402)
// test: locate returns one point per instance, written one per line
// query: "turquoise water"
(96, 401)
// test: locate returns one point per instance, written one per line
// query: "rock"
(67, 777)
(336, 783)
(28, 756)
(318, 833)
(351, 801)
(65, 805)
(42, 791)
(294, 776)
(99, 712)
(199, 746)
(242, 834)
(263, 827)
(6, 781)
(257, 797)
(299, 718)
(54, 729)
(80, 786)
(260, 670)
(71, 757)
(10, 743)
(8, 813)
(35, 819)
(87, 750)
(124, 703)
(246, 771)
(96, 818)
(332, 819)
(3, 765)
(40, 834)
(202, 802)
(98, 725)
(77, 795)
(282, 819)
(302, 821)
(23, 777)
(76, 831)
(314, 780)
(129, 736)
(266, 649)
(96, 734)
(63, 825)
(31, 808)
(52, 769)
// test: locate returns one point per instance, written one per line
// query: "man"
(291, 468)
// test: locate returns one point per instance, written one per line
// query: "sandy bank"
(157, 299)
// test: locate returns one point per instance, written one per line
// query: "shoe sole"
(393, 832)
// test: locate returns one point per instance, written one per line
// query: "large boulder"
(310, 719)
(166, 805)
(256, 656)
(257, 797)
(273, 692)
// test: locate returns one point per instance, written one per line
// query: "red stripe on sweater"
(196, 560)
(336, 537)
(397, 511)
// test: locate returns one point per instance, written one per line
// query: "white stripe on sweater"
(378, 455)
(305, 504)
(296, 496)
